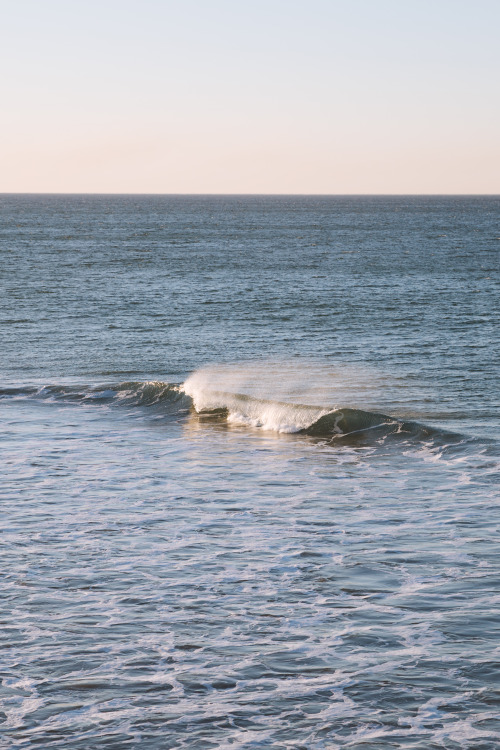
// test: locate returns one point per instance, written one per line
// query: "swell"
(333, 424)
(129, 393)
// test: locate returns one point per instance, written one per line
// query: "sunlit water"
(250, 469)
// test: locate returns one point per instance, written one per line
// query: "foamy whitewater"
(250, 469)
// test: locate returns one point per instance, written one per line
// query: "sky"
(226, 96)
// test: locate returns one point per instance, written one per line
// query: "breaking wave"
(214, 391)
(315, 421)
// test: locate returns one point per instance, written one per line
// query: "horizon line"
(262, 195)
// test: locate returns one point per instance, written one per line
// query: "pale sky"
(225, 96)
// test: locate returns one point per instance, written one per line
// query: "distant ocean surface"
(250, 472)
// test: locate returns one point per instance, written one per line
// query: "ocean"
(250, 472)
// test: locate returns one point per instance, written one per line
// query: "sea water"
(249, 478)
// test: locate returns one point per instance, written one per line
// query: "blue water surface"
(203, 543)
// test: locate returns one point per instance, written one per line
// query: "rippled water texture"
(250, 464)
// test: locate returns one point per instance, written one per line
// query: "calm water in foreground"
(250, 472)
